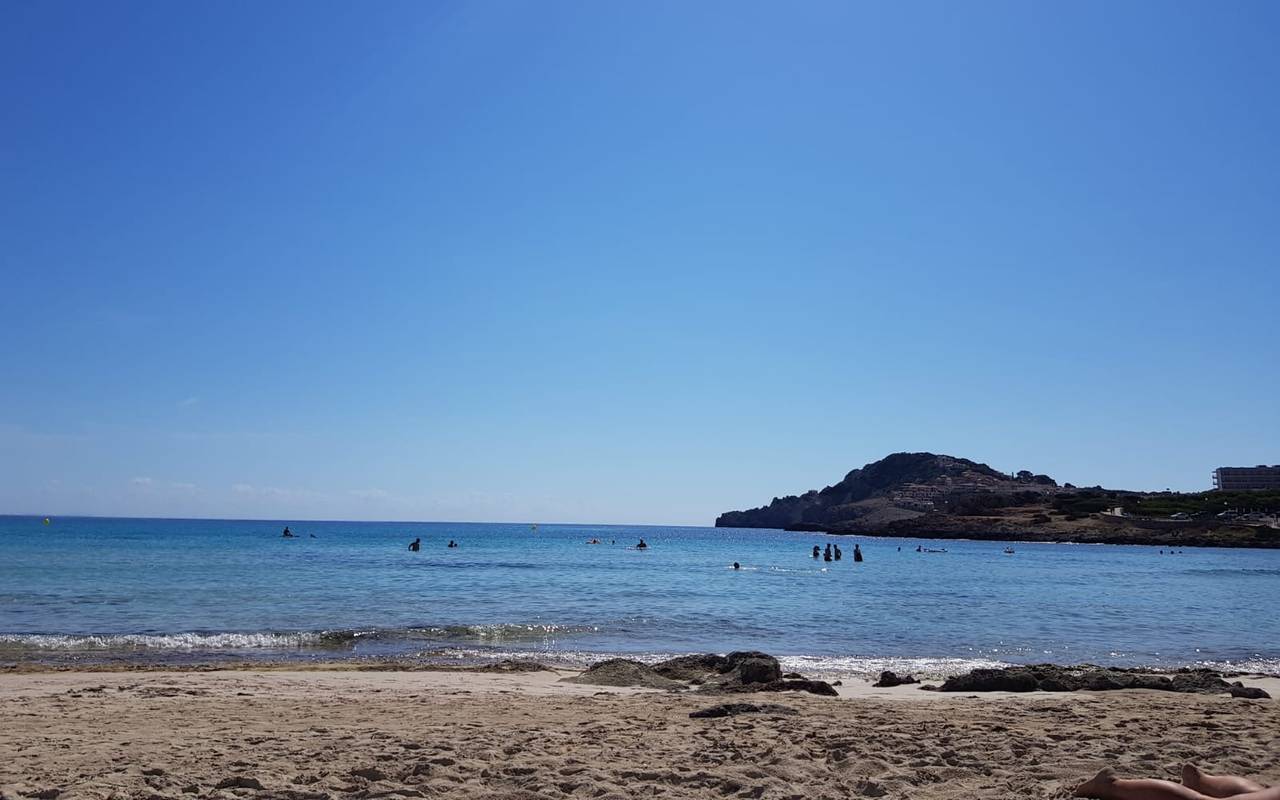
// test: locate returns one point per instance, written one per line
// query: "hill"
(926, 495)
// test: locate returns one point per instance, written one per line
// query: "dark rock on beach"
(738, 672)
(695, 668)
(1249, 693)
(1054, 678)
(624, 672)
(890, 679)
(734, 709)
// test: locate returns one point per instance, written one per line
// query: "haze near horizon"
(626, 263)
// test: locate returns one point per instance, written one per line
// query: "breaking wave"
(288, 640)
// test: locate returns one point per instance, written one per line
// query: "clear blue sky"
(626, 262)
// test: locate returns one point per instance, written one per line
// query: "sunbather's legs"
(1217, 785)
(1106, 786)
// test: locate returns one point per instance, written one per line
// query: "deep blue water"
(94, 588)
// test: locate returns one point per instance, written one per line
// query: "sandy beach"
(334, 733)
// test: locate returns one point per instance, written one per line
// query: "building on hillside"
(1247, 479)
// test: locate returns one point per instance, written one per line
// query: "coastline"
(335, 731)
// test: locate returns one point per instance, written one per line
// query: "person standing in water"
(288, 534)
(857, 553)
(839, 554)
(415, 545)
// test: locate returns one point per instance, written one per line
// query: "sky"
(626, 262)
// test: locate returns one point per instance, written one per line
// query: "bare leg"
(1106, 786)
(1217, 785)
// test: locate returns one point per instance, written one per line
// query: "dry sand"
(432, 734)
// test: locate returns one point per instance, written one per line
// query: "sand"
(333, 733)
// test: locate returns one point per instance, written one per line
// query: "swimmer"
(857, 553)
(288, 534)
(642, 545)
(736, 565)
(815, 551)
(839, 554)
(415, 545)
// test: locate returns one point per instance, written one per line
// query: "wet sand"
(337, 733)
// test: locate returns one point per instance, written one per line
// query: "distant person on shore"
(415, 545)
(288, 534)
(857, 553)
(1195, 785)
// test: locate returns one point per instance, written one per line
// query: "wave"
(283, 641)
(1259, 571)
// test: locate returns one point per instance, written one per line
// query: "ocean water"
(96, 589)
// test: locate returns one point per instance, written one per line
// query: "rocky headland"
(931, 496)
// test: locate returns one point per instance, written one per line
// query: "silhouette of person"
(857, 553)
(288, 534)
(415, 545)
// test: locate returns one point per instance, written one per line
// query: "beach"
(334, 731)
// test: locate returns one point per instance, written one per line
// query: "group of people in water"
(416, 544)
(834, 553)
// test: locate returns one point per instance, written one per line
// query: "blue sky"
(626, 262)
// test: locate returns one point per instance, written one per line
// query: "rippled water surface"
(92, 588)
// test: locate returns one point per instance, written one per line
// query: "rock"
(813, 687)
(889, 679)
(515, 665)
(734, 709)
(695, 668)
(1249, 693)
(1012, 679)
(370, 774)
(624, 672)
(792, 676)
(1054, 678)
(239, 782)
(735, 660)
(755, 668)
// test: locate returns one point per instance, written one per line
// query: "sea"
(180, 591)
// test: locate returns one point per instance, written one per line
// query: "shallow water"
(201, 590)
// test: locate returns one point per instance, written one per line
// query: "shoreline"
(844, 668)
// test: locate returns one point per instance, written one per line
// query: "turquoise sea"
(98, 589)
